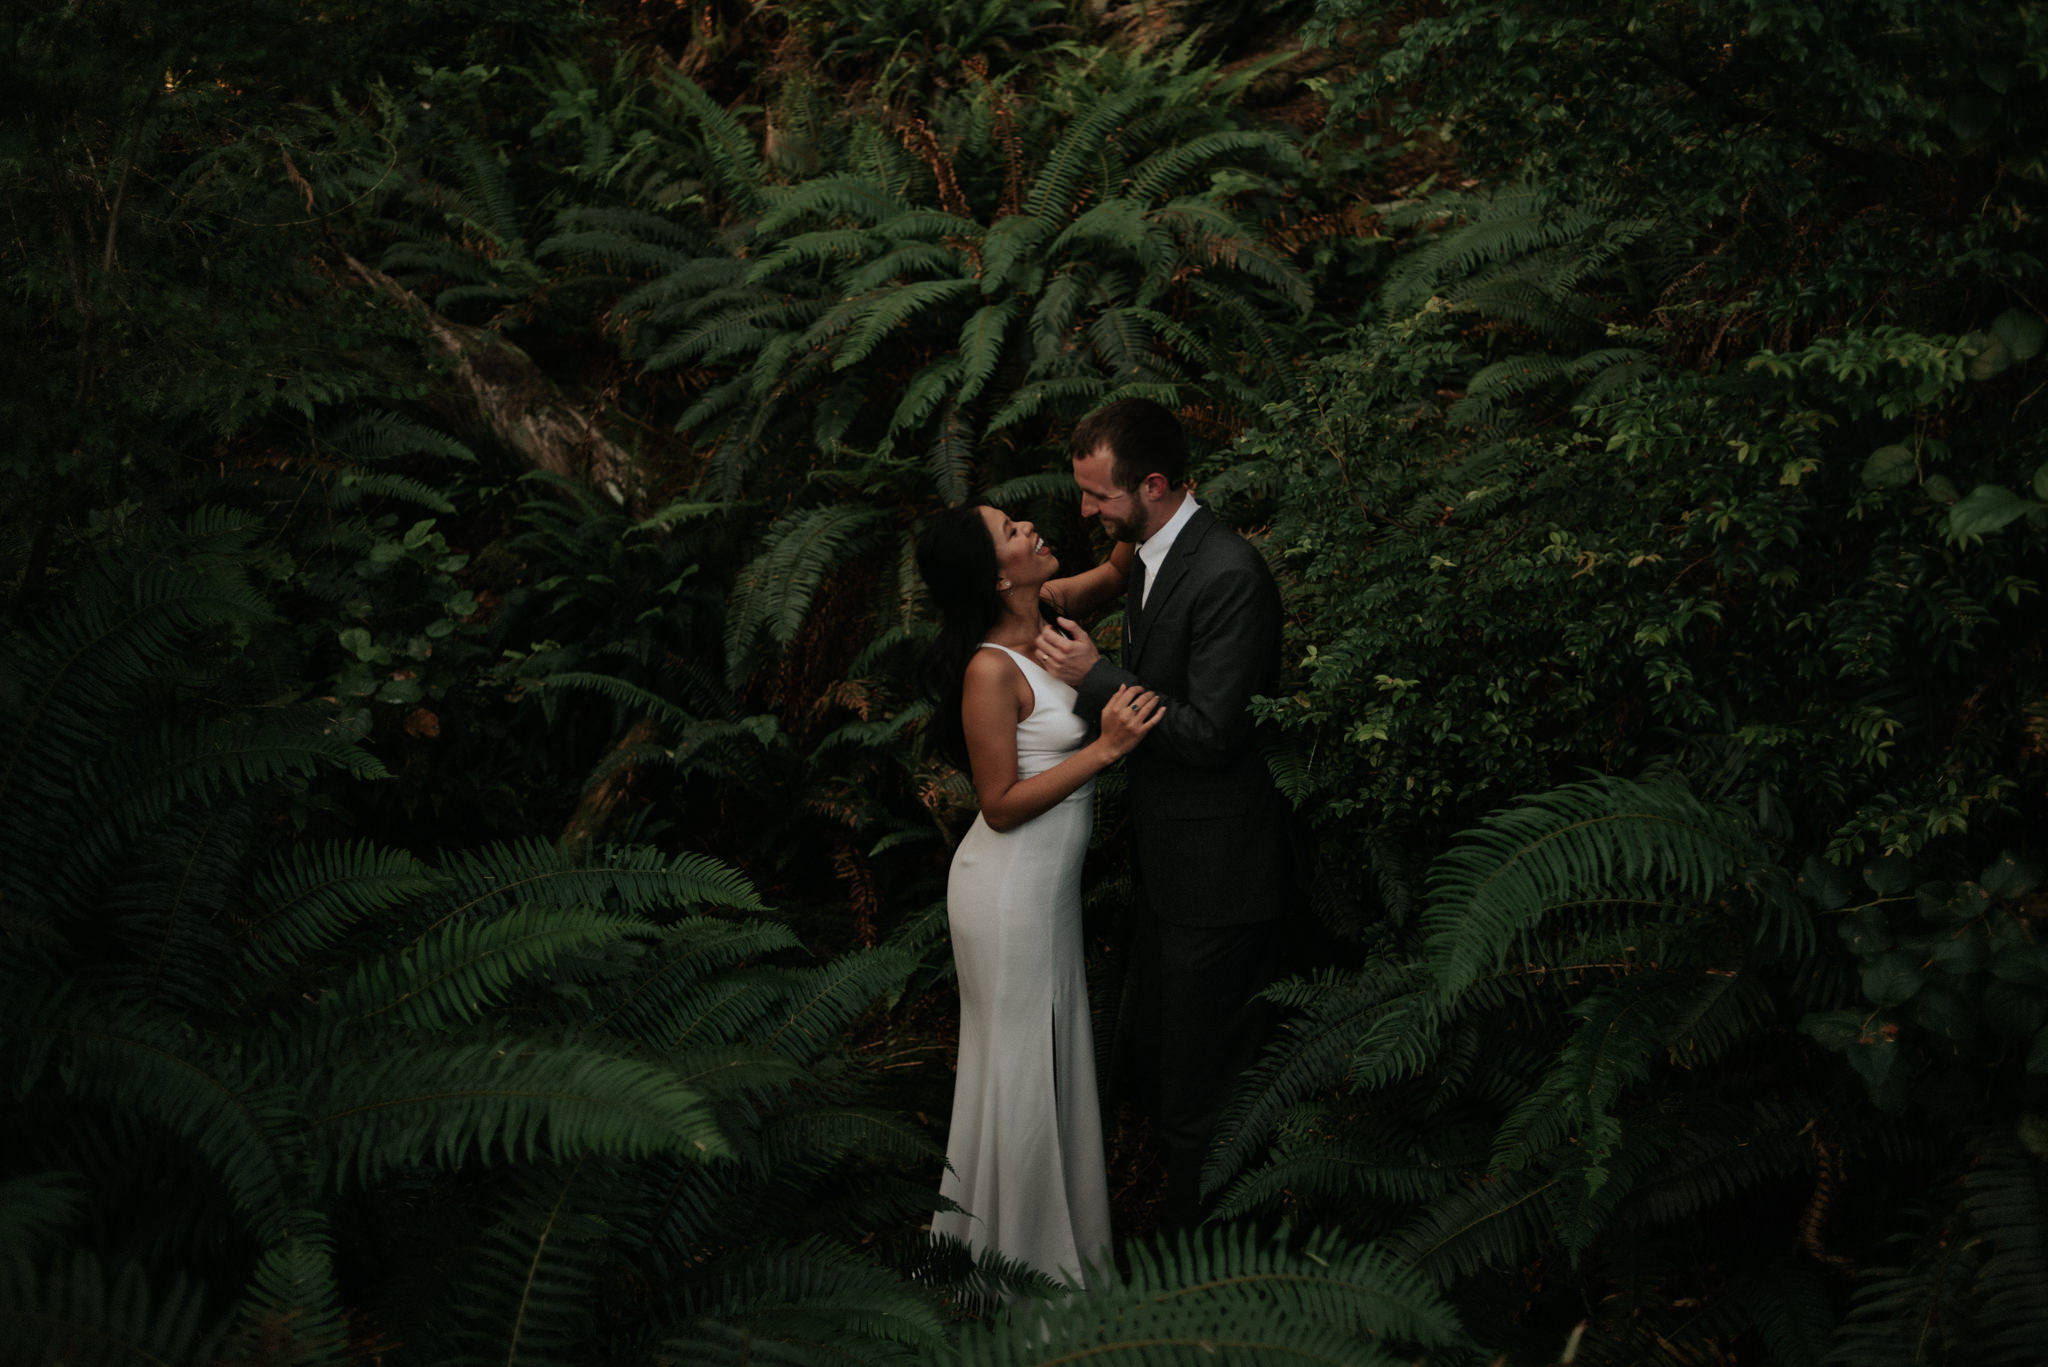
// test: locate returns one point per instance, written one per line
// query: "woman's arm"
(1077, 595)
(995, 700)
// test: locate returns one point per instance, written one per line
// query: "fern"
(81, 1312)
(887, 312)
(812, 1303)
(291, 1312)
(1229, 1298)
(1366, 1029)
(1496, 1222)
(1561, 847)
(35, 1207)
(156, 1066)
(773, 592)
(460, 970)
(500, 1100)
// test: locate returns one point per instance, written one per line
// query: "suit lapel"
(1171, 572)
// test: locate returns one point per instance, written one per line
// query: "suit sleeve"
(1234, 636)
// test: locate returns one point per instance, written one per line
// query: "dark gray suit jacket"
(1210, 843)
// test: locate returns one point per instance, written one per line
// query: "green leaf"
(1824, 885)
(400, 691)
(1835, 1030)
(1866, 932)
(1959, 954)
(1940, 488)
(2016, 961)
(1945, 1011)
(1892, 978)
(2010, 877)
(2014, 1011)
(1890, 875)
(1971, 115)
(1985, 509)
(1890, 467)
(357, 642)
(2021, 332)
(1874, 1060)
(2037, 1057)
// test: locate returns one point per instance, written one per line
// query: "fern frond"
(628, 695)
(822, 1000)
(1050, 485)
(2005, 1200)
(381, 436)
(1012, 255)
(530, 1292)
(1571, 843)
(891, 309)
(1496, 1222)
(911, 259)
(1367, 1029)
(642, 880)
(734, 160)
(499, 1101)
(460, 969)
(353, 487)
(950, 457)
(487, 193)
(649, 1009)
(832, 247)
(772, 594)
(35, 1206)
(812, 1303)
(844, 197)
(982, 344)
(1056, 189)
(1157, 176)
(291, 1312)
(1621, 1028)
(157, 1068)
(1229, 1297)
(925, 392)
(82, 1315)
(1074, 394)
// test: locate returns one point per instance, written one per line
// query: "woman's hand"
(1130, 712)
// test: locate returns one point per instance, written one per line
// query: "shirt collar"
(1152, 550)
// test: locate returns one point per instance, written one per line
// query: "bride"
(1024, 1152)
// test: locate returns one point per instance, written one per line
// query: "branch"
(525, 410)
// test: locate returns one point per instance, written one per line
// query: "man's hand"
(1067, 658)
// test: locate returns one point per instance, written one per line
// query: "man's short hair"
(1143, 438)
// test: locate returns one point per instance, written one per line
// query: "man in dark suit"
(1209, 847)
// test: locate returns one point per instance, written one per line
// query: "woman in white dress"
(1025, 1148)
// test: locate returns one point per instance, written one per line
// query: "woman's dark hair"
(957, 559)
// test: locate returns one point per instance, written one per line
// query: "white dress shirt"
(1152, 550)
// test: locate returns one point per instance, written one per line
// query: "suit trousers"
(1187, 1027)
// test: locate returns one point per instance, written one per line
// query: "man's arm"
(1234, 633)
(1077, 595)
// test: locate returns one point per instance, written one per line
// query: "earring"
(1002, 586)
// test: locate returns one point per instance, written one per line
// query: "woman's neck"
(1017, 628)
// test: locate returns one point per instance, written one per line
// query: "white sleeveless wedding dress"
(1025, 1147)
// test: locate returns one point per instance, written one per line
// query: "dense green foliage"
(472, 858)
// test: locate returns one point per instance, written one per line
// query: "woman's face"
(1021, 556)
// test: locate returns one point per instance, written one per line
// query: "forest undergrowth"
(473, 860)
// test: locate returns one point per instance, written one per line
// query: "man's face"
(1125, 514)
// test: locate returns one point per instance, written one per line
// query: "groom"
(1209, 849)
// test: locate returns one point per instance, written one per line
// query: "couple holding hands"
(1021, 685)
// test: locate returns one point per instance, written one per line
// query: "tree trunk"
(525, 410)
(595, 809)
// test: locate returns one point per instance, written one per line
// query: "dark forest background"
(473, 859)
